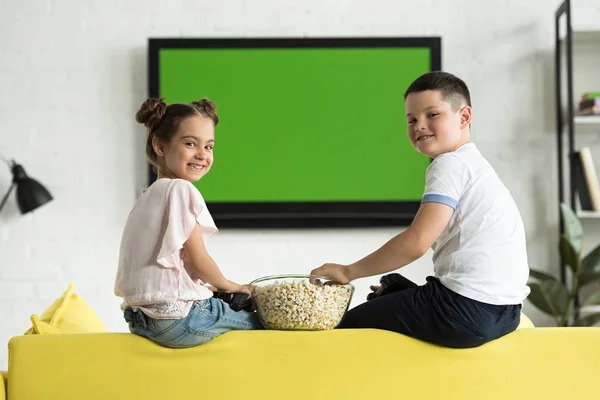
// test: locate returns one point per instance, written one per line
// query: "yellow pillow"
(68, 314)
(525, 322)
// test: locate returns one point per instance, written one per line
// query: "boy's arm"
(205, 267)
(406, 247)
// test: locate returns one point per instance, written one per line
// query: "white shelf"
(587, 120)
(588, 214)
(585, 123)
(584, 36)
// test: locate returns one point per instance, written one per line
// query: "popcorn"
(301, 305)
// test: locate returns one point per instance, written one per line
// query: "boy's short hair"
(453, 89)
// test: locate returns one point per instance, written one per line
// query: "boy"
(469, 219)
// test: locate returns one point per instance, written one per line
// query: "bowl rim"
(282, 276)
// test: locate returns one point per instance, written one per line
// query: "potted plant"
(558, 300)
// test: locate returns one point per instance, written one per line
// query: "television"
(312, 131)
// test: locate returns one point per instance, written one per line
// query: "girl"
(163, 264)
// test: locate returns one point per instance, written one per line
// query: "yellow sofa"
(3, 385)
(539, 363)
(67, 354)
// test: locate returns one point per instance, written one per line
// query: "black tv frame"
(298, 214)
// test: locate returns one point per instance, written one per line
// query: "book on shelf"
(590, 111)
(590, 96)
(587, 185)
(589, 104)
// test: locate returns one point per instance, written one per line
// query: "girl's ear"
(158, 147)
(466, 115)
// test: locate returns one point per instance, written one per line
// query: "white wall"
(72, 74)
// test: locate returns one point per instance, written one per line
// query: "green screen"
(303, 124)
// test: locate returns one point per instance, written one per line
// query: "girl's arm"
(406, 247)
(205, 267)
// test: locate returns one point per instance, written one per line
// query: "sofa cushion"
(525, 322)
(68, 314)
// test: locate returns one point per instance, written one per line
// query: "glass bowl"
(292, 302)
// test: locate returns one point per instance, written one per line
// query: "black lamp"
(30, 193)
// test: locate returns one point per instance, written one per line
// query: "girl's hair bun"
(151, 113)
(207, 108)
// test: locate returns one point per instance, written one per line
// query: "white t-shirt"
(152, 273)
(481, 254)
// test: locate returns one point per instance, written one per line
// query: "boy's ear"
(158, 147)
(466, 115)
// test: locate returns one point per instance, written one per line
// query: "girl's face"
(189, 154)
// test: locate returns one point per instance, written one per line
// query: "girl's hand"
(247, 289)
(234, 288)
(212, 288)
(335, 272)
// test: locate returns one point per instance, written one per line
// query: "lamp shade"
(30, 193)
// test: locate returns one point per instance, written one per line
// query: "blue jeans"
(206, 320)
(435, 314)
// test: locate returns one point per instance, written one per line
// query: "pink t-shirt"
(152, 274)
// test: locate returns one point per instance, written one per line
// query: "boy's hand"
(374, 293)
(335, 272)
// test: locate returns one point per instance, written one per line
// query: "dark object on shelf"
(391, 283)
(589, 105)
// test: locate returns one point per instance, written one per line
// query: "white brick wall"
(72, 74)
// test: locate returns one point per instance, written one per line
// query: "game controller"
(237, 301)
(389, 284)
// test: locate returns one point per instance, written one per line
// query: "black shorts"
(435, 314)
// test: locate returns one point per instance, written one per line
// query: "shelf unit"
(581, 120)
(569, 122)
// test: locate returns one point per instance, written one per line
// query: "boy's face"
(434, 126)
(189, 154)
